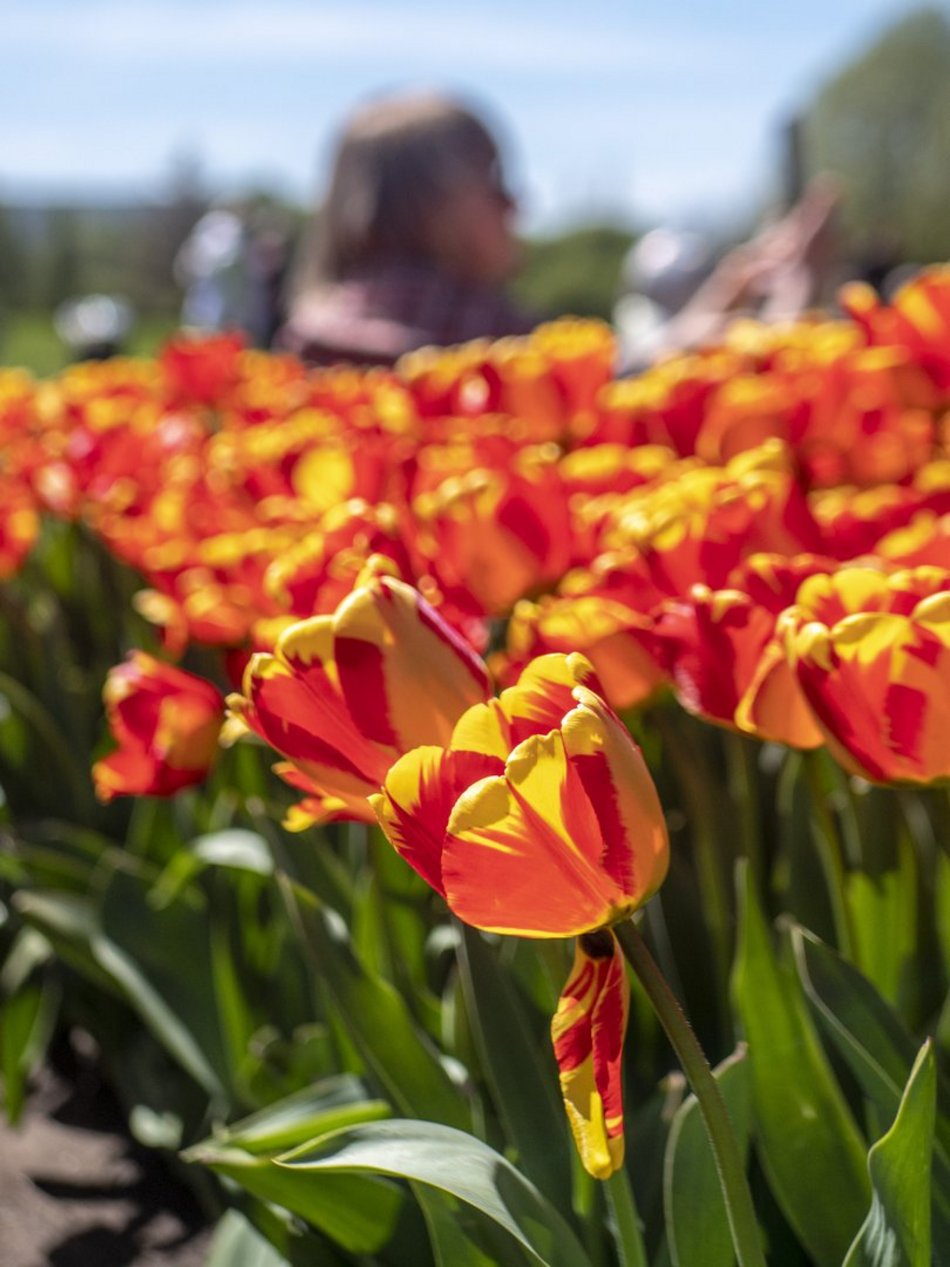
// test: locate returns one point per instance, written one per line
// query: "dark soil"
(76, 1191)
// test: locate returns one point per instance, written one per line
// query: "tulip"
(344, 695)
(166, 723)
(539, 818)
(871, 651)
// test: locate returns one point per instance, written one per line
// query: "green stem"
(703, 810)
(729, 1161)
(830, 852)
(744, 787)
(627, 1235)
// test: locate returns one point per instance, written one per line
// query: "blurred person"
(266, 265)
(210, 269)
(675, 298)
(94, 327)
(414, 242)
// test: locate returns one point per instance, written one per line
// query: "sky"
(614, 109)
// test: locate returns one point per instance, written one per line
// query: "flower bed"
(642, 664)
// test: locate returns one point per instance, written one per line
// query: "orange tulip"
(539, 818)
(720, 650)
(871, 651)
(166, 723)
(345, 694)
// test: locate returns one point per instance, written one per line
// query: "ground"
(75, 1191)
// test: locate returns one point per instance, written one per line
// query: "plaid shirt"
(374, 317)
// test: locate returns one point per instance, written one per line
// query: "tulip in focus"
(539, 818)
(344, 695)
(166, 723)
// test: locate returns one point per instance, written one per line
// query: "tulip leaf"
(235, 848)
(460, 1236)
(237, 1241)
(883, 909)
(451, 1162)
(879, 1051)
(317, 1110)
(27, 1018)
(359, 1212)
(810, 1148)
(897, 1231)
(376, 1018)
(697, 1225)
(520, 1068)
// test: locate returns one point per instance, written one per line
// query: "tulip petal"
(618, 786)
(588, 1031)
(536, 705)
(302, 715)
(390, 647)
(414, 806)
(521, 850)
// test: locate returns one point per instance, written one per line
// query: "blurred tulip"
(166, 723)
(871, 651)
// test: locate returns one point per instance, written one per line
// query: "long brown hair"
(396, 160)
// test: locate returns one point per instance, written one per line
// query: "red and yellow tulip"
(343, 695)
(539, 818)
(166, 723)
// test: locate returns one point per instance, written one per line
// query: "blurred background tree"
(576, 272)
(882, 124)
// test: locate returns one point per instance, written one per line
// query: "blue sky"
(646, 111)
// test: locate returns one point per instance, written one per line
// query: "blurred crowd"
(414, 243)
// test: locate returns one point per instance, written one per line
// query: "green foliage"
(576, 273)
(815, 1167)
(897, 1229)
(696, 1222)
(455, 1163)
(883, 126)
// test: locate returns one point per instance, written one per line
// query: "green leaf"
(27, 1018)
(327, 1106)
(520, 1068)
(884, 919)
(697, 1226)
(462, 1237)
(357, 1211)
(896, 1232)
(235, 848)
(455, 1163)
(879, 1051)
(376, 1018)
(236, 1242)
(877, 1047)
(810, 1148)
(161, 960)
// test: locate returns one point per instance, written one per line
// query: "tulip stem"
(627, 1233)
(729, 1161)
(830, 852)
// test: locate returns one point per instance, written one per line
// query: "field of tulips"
(490, 812)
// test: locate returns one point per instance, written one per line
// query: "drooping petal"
(588, 1031)
(318, 806)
